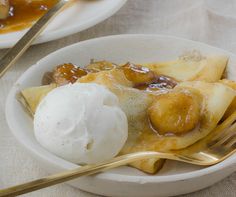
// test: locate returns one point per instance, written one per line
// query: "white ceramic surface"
(82, 15)
(175, 178)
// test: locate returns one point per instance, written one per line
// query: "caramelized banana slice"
(138, 74)
(175, 113)
(67, 73)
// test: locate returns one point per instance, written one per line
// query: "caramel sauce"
(141, 77)
(145, 79)
(68, 73)
(22, 14)
(97, 66)
(159, 83)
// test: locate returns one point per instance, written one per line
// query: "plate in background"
(82, 15)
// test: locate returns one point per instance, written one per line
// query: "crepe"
(215, 100)
(192, 67)
(31, 97)
(232, 108)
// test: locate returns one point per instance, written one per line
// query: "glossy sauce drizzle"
(22, 14)
(142, 77)
(64, 74)
(145, 79)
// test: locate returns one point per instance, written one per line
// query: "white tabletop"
(210, 21)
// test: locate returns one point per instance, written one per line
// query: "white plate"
(175, 178)
(82, 15)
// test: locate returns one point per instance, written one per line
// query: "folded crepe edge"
(25, 105)
(150, 166)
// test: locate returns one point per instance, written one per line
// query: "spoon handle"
(78, 172)
(24, 43)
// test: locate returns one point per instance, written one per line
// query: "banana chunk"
(4, 9)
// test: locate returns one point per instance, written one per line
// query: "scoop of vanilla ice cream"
(81, 123)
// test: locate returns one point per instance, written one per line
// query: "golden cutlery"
(24, 43)
(214, 148)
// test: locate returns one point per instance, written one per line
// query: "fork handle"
(24, 43)
(78, 172)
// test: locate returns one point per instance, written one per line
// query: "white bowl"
(175, 178)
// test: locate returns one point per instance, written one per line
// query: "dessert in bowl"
(168, 105)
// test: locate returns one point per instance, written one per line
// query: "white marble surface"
(210, 21)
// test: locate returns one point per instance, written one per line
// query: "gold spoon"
(216, 147)
(24, 43)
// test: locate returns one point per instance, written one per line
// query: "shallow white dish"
(175, 178)
(82, 15)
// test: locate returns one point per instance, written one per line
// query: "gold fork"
(216, 147)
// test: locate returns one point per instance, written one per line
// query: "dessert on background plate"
(168, 105)
(16, 15)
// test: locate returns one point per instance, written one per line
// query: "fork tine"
(219, 131)
(231, 142)
(225, 136)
